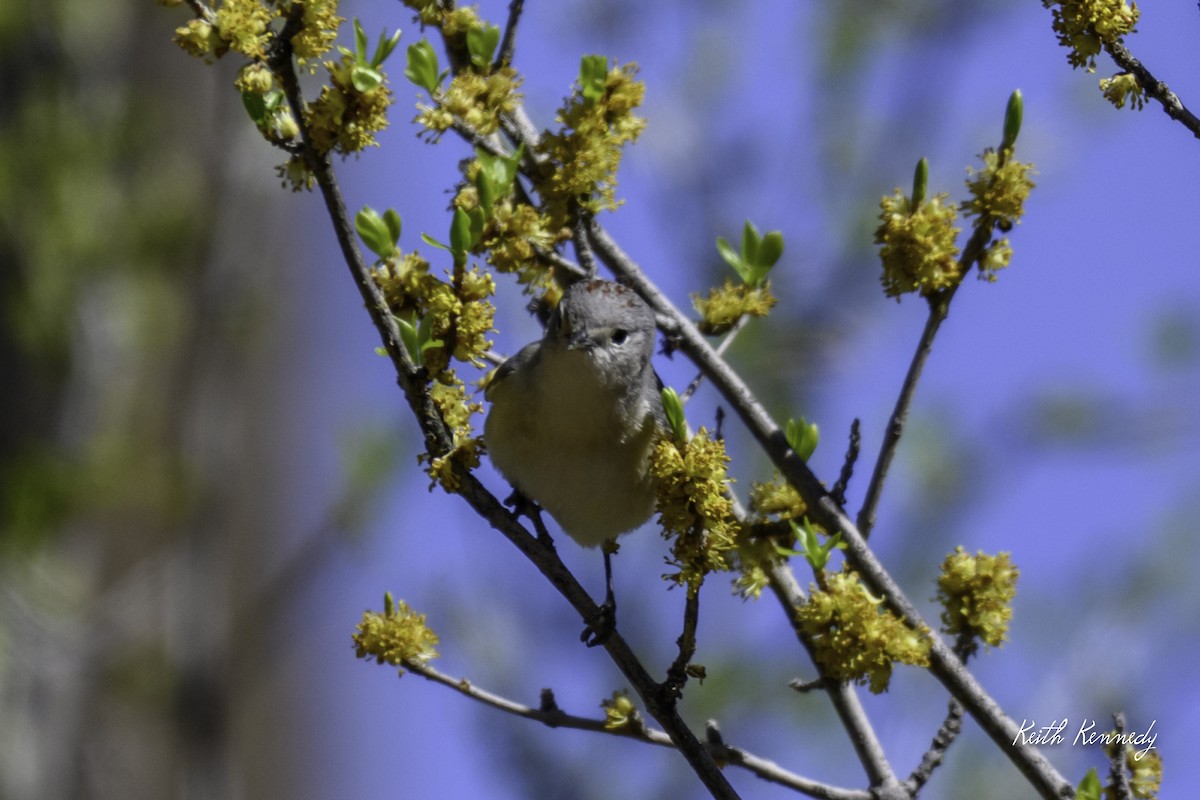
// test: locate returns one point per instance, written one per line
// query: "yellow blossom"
(398, 636)
(1123, 88)
(1000, 188)
(620, 712)
(200, 39)
(976, 593)
(586, 150)
(854, 638)
(343, 118)
(318, 30)
(919, 251)
(722, 308)
(243, 24)
(1085, 26)
(693, 504)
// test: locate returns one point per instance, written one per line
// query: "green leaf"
(432, 242)
(408, 337)
(593, 75)
(487, 195)
(675, 416)
(385, 47)
(392, 220)
(750, 240)
(422, 68)
(802, 436)
(375, 233)
(461, 240)
(1089, 788)
(364, 78)
(1012, 119)
(256, 107)
(481, 44)
(733, 259)
(809, 544)
(360, 42)
(920, 183)
(770, 250)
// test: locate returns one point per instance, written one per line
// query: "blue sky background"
(1096, 323)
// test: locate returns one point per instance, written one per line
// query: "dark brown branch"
(838, 492)
(1153, 87)
(508, 44)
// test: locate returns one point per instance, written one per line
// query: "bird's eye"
(619, 336)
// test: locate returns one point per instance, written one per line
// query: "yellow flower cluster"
(450, 396)
(1145, 773)
(919, 249)
(478, 101)
(976, 594)
(586, 150)
(398, 636)
(777, 498)
(1000, 188)
(620, 712)
(244, 26)
(723, 307)
(462, 314)
(1085, 26)
(511, 236)
(854, 638)
(319, 29)
(343, 118)
(693, 504)
(1123, 88)
(200, 39)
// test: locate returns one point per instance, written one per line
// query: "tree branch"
(938, 310)
(508, 44)
(843, 696)
(1152, 86)
(554, 717)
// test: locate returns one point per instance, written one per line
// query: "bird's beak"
(579, 340)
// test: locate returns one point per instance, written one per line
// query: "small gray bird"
(574, 416)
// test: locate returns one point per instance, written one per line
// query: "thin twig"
(202, 10)
(838, 492)
(895, 426)
(583, 250)
(549, 714)
(946, 734)
(508, 44)
(677, 673)
(1118, 772)
(1152, 86)
(720, 351)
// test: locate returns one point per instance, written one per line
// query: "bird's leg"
(604, 623)
(522, 506)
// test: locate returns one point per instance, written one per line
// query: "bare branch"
(838, 492)
(1152, 86)
(946, 734)
(549, 714)
(508, 44)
